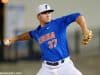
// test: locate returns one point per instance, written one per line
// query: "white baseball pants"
(66, 68)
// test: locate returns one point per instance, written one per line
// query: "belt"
(55, 63)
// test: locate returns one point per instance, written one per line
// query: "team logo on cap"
(46, 6)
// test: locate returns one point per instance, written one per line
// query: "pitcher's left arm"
(87, 34)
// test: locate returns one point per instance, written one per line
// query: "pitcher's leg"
(68, 69)
(45, 71)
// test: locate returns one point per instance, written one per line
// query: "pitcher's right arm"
(22, 37)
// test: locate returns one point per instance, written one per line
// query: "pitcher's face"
(45, 17)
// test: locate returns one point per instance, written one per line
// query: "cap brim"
(47, 11)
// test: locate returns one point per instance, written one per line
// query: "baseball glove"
(87, 37)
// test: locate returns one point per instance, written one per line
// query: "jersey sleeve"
(32, 34)
(69, 19)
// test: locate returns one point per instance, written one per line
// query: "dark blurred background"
(19, 16)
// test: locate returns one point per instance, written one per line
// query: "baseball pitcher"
(52, 39)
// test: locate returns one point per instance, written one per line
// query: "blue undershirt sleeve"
(32, 34)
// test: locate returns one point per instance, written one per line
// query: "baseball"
(7, 42)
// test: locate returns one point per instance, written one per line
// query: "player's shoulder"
(67, 15)
(35, 30)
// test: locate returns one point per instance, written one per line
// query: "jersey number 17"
(52, 43)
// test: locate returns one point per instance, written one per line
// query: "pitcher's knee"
(79, 73)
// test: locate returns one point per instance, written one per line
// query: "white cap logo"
(44, 8)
